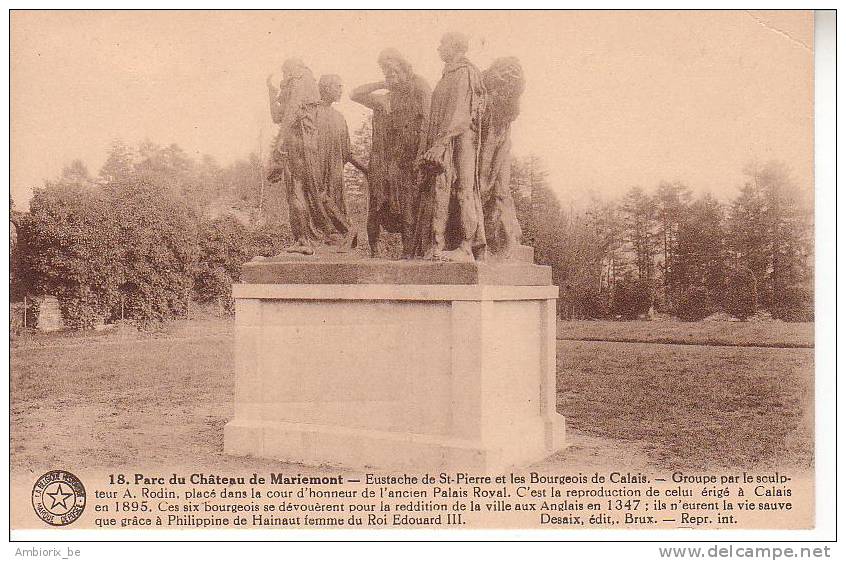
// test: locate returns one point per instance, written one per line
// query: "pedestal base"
(334, 445)
(396, 376)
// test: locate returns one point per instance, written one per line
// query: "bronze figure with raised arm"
(400, 107)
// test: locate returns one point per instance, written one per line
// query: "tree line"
(668, 251)
(156, 229)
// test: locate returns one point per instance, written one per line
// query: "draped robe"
(450, 208)
(314, 217)
(399, 122)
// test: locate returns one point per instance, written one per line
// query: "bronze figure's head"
(292, 67)
(504, 82)
(397, 70)
(331, 88)
(454, 45)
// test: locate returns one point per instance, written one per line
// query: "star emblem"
(59, 497)
(50, 495)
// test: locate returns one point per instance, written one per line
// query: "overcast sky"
(613, 99)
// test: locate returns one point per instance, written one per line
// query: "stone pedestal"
(395, 364)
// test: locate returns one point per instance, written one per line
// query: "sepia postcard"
(414, 275)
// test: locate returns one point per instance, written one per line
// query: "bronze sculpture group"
(439, 167)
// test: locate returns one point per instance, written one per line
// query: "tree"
(157, 246)
(152, 202)
(631, 298)
(770, 238)
(605, 222)
(564, 239)
(638, 212)
(748, 236)
(699, 277)
(76, 174)
(126, 244)
(582, 260)
(208, 182)
(672, 202)
(119, 167)
(69, 240)
(789, 284)
(243, 181)
(540, 219)
(223, 247)
(171, 170)
(21, 275)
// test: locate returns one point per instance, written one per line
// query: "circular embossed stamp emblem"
(58, 497)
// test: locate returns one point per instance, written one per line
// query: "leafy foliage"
(631, 298)
(156, 229)
(69, 239)
(224, 245)
(691, 257)
(696, 304)
(156, 251)
(742, 295)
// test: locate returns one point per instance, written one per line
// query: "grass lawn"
(132, 400)
(732, 333)
(694, 406)
(121, 403)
